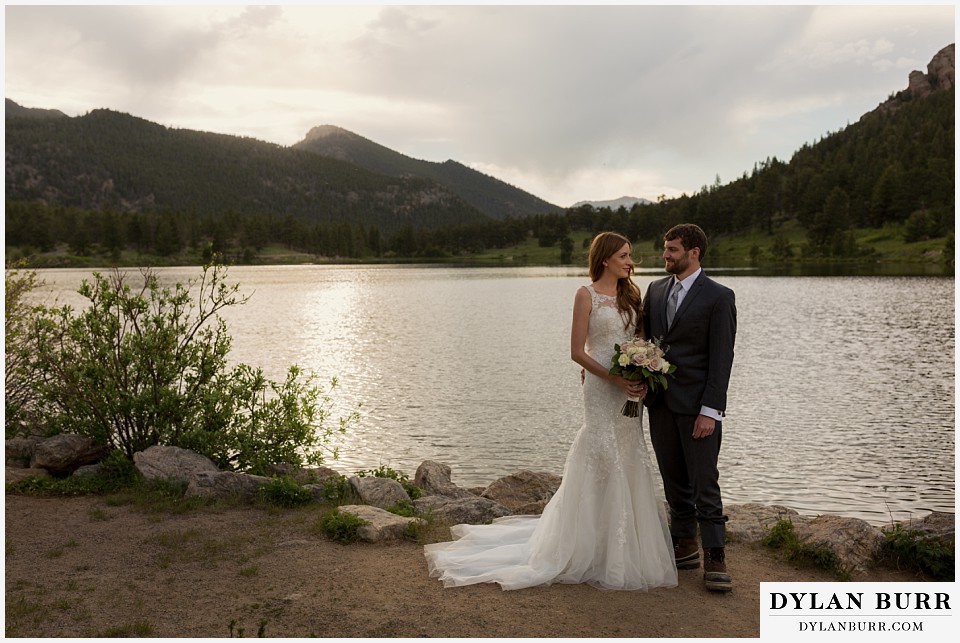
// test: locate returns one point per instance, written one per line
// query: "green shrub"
(918, 551)
(404, 509)
(342, 526)
(337, 490)
(20, 401)
(284, 492)
(387, 472)
(147, 364)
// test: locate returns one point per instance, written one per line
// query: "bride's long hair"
(604, 246)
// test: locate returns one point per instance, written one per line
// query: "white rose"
(623, 360)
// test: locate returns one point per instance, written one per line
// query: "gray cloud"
(560, 100)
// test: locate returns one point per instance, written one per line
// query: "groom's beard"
(679, 266)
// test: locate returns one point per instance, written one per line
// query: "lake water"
(841, 401)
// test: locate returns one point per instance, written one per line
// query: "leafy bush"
(387, 472)
(337, 489)
(20, 378)
(284, 492)
(342, 526)
(147, 365)
(914, 549)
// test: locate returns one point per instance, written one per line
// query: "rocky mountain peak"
(940, 76)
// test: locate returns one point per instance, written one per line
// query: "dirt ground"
(78, 567)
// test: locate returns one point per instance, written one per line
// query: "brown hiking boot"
(686, 552)
(715, 576)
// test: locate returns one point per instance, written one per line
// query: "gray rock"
(16, 474)
(937, 526)
(18, 451)
(379, 492)
(434, 479)
(87, 470)
(381, 524)
(855, 543)
(303, 475)
(171, 463)
(751, 521)
(63, 454)
(457, 511)
(225, 484)
(524, 491)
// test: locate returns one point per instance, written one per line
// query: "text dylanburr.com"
(858, 611)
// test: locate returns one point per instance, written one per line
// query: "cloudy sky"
(567, 102)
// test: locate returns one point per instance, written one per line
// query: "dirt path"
(79, 567)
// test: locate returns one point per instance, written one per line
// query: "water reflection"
(842, 397)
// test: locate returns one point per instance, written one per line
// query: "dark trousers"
(691, 481)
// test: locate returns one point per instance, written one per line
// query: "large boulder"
(381, 524)
(456, 511)
(62, 454)
(171, 463)
(225, 485)
(938, 526)
(752, 521)
(379, 492)
(854, 542)
(19, 450)
(523, 492)
(434, 479)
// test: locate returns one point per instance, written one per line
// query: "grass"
(783, 537)
(912, 549)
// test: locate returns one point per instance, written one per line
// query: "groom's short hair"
(690, 235)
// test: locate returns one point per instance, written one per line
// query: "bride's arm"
(582, 304)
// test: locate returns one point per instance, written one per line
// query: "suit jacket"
(700, 342)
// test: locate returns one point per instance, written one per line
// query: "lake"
(841, 399)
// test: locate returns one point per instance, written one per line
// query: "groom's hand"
(704, 426)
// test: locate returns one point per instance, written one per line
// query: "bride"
(605, 525)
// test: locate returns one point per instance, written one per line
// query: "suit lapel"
(695, 290)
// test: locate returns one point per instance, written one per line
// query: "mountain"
(18, 111)
(489, 195)
(107, 160)
(615, 204)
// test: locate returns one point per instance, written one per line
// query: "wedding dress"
(606, 524)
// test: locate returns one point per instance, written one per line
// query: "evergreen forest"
(108, 187)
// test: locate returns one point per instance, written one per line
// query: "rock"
(87, 470)
(379, 492)
(752, 522)
(171, 463)
(381, 524)
(19, 450)
(16, 474)
(941, 68)
(854, 542)
(434, 479)
(456, 511)
(63, 454)
(939, 527)
(523, 491)
(225, 484)
(302, 475)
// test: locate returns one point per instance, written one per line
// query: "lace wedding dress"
(605, 526)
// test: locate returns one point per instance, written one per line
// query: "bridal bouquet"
(641, 359)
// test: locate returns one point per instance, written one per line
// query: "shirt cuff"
(712, 413)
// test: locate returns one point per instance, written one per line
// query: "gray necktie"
(672, 302)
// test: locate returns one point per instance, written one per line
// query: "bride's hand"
(631, 388)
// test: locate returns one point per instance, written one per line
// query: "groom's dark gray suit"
(700, 342)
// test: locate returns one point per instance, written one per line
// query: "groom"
(696, 318)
